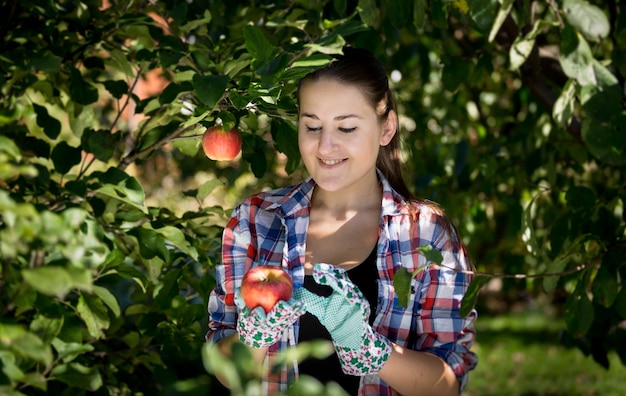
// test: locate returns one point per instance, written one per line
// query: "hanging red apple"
(265, 285)
(220, 144)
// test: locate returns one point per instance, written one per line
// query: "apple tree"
(111, 215)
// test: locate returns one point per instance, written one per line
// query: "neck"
(365, 196)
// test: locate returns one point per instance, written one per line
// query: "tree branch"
(131, 157)
(541, 68)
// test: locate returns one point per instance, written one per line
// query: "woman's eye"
(347, 130)
(313, 129)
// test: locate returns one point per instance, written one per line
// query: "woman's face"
(339, 134)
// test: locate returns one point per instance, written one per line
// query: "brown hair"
(358, 67)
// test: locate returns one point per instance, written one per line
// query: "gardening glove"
(257, 329)
(345, 315)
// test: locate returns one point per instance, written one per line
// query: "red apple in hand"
(264, 286)
(221, 145)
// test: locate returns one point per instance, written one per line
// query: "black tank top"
(365, 276)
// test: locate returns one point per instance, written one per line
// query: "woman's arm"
(418, 373)
(439, 361)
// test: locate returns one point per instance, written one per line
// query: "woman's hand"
(257, 329)
(345, 315)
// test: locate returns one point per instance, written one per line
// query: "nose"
(327, 142)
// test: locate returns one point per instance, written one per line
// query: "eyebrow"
(338, 118)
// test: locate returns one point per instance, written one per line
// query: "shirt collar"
(393, 204)
(298, 197)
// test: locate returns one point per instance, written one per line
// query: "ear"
(389, 128)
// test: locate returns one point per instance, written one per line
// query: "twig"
(133, 156)
(555, 9)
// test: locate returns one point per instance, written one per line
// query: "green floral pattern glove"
(258, 330)
(345, 313)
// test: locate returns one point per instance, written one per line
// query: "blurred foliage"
(513, 118)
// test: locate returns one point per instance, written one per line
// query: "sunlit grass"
(521, 355)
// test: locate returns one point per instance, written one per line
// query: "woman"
(342, 234)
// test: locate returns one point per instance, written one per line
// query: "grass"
(520, 355)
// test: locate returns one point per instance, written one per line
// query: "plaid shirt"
(269, 228)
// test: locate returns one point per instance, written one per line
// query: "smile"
(330, 162)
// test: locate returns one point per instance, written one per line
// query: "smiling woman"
(342, 234)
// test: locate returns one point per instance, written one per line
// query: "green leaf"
(196, 120)
(343, 30)
(128, 191)
(483, 13)
(503, 12)
(173, 90)
(188, 146)
(64, 157)
(606, 140)
(24, 344)
(57, 281)
(151, 243)
(94, 62)
(431, 254)
(176, 237)
(523, 45)
(528, 230)
(257, 44)
(564, 107)
(238, 100)
(108, 298)
(68, 351)
(46, 328)
(80, 90)
(273, 66)
(50, 125)
(578, 311)
(587, 18)
(367, 11)
(576, 57)
(232, 67)
(402, 285)
(9, 148)
(117, 88)
(210, 89)
(157, 134)
(556, 266)
(601, 100)
(10, 368)
(302, 67)
(47, 62)
(78, 375)
(285, 137)
(100, 143)
(605, 287)
(206, 188)
(471, 295)
(167, 289)
(197, 23)
(214, 363)
(94, 314)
